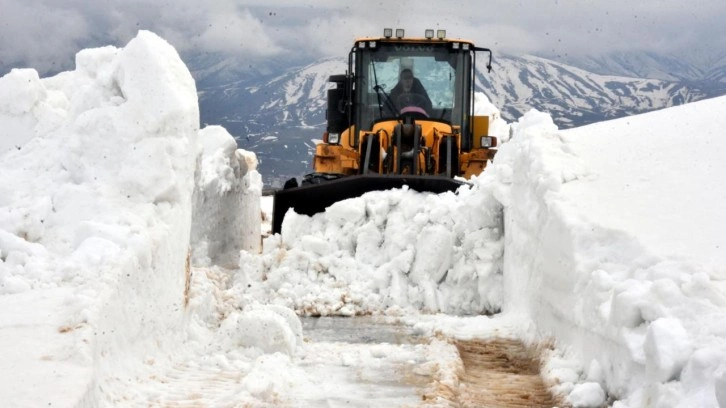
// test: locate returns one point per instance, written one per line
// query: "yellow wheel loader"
(403, 114)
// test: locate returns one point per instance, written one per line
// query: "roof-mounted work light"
(399, 33)
(429, 34)
(388, 32)
(440, 34)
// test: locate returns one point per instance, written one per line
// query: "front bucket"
(314, 198)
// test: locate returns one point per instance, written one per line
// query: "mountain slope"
(277, 116)
(575, 97)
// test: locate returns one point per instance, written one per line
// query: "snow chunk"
(20, 91)
(433, 255)
(587, 395)
(268, 379)
(272, 329)
(667, 348)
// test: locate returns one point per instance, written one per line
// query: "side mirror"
(336, 112)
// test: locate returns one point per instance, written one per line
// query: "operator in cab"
(409, 95)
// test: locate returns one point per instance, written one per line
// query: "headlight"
(488, 141)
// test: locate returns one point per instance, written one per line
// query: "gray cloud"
(46, 34)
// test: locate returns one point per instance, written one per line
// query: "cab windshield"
(427, 79)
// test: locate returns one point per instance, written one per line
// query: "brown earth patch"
(501, 373)
(187, 277)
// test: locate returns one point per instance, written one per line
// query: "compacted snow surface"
(132, 272)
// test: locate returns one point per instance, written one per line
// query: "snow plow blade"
(315, 198)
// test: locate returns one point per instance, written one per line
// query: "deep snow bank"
(601, 257)
(95, 216)
(384, 251)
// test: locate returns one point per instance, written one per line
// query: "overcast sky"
(46, 34)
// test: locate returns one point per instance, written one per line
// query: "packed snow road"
(362, 361)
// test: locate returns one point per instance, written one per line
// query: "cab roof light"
(465, 46)
(388, 32)
(399, 33)
(440, 34)
(455, 45)
(429, 34)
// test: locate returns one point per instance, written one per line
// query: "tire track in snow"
(181, 384)
(501, 373)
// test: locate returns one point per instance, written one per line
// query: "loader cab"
(443, 66)
(438, 68)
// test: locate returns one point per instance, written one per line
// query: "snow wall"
(99, 167)
(627, 314)
(227, 213)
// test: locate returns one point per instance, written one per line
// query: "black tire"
(291, 183)
(318, 178)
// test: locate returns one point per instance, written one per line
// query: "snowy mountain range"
(656, 66)
(278, 112)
